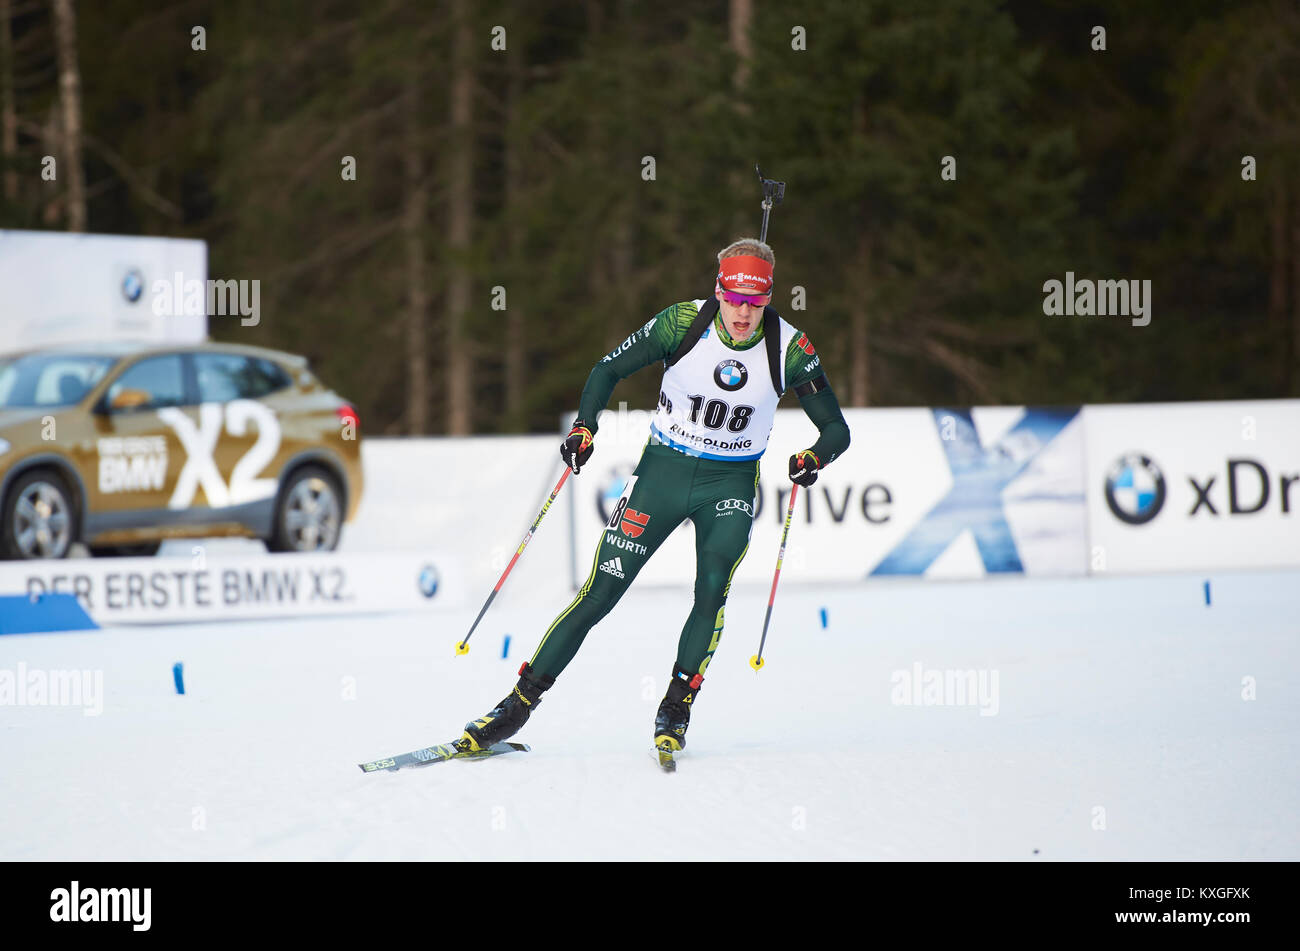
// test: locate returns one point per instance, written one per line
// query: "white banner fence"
(922, 493)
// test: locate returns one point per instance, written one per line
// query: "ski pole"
(757, 661)
(463, 646)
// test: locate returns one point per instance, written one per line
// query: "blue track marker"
(823, 618)
(1207, 593)
(505, 648)
(178, 674)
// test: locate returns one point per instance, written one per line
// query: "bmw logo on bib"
(730, 375)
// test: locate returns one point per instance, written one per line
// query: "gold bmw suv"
(121, 446)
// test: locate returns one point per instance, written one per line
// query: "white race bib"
(719, 403)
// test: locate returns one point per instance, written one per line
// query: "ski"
(665, 753)
(440, 754)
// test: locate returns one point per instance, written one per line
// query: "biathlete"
(727, 362)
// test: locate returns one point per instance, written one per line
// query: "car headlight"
(4, 447)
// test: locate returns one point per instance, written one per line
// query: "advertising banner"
(1191, 486)
(152, 590)
(420, 493)
(939, 493)
(76, 288)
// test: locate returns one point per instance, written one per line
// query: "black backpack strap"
(772, 338)
(698, 326)
(815, 385)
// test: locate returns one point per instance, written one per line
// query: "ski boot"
(674, 715)
(507, 717)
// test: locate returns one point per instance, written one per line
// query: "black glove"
(803, 467)
(577, 448)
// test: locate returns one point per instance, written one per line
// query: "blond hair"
(750, 246)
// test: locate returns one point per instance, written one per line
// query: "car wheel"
(38, 520)
(308, 512)
(140, 550)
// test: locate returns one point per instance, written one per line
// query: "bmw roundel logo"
(1135, 489)
(132, 285)
(730, 375)
(429, 581)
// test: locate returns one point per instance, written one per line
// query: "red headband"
(745, 274)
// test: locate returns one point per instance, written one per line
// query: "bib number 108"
(715, 413)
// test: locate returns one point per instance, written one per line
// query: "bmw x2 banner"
(1188, 486)
(226, 587)
(936, 493)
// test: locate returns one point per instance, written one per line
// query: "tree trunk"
(250, 69)
(52, 144)
(741, 180)
(1295, 298)
(460, 184)
(65, 37)
(8, 112)
(620, 260)
(859, 302)
(596, 137)
(1277, 288)
(859, 350)
(417, 295)
(516, 348)
(740, 18)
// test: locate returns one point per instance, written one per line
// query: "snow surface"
(1122, 695)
